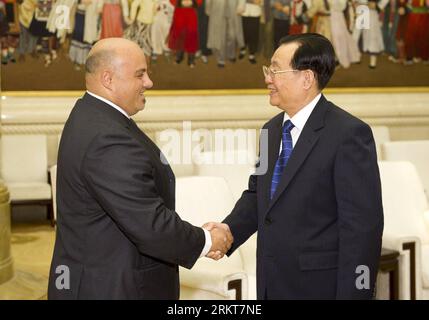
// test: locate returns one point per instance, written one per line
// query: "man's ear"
(106, 79)
(309, 79)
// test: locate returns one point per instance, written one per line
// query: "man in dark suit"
(118, 236)
(318, 209)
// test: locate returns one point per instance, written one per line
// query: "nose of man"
(147, 82)
(268, 79)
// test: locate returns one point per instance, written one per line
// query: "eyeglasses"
(271, 73)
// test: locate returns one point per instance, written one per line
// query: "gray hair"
(100, 58)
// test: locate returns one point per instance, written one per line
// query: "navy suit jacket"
(326, 217)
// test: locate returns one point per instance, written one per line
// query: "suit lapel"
(307, 140)
(115, 115)
(153, 149)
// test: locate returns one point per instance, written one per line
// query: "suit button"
(268, 221)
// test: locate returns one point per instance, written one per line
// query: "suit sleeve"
(360, 214)
(119, 174)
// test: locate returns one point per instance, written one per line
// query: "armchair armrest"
(218, 277)
(398, 242)
(409, 248)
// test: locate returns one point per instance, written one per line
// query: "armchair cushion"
(235, 166)
(29, 191)
(200, 200)
(404, 201)
(203, 199)
(417, 152)
(214, 276)
(24, 158)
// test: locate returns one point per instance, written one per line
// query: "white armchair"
(417, 152)
(236, 173)
(199, 200)
(171, 144)
(248, 256)
(381, 135)
(25, 170)
(235, 166)
(406, 227)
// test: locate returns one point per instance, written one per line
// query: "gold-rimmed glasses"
(271, 73)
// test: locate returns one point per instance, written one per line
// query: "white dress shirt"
(208, 243)
(110, 103)
(299, 120)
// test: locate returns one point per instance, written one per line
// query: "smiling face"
(286, 89)
(131, 80)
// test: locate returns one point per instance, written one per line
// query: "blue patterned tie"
(283, 157)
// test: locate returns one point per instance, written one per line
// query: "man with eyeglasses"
(318, 209)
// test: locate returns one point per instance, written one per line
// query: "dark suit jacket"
(117, 231)
(326, 217)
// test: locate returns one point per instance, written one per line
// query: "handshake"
(222, 239)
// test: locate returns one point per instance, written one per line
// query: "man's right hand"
(221, 237)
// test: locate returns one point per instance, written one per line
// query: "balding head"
(98, 59)
(108, 54)
(112, 67)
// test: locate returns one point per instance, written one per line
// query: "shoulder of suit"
(95, 117)
(337, 116)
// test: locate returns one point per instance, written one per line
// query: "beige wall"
(405, 114)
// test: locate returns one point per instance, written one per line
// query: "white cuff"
(208, 244)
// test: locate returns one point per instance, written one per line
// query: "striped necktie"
(283, 157)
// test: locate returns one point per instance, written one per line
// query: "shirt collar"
(301, 117)
(110, 103)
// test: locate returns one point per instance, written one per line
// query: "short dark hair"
(315, 52)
